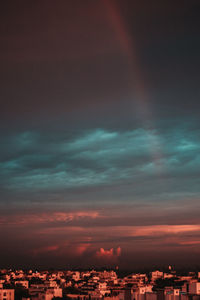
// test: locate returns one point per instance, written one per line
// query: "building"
(156, 275)
(194, 288)
(7, 294)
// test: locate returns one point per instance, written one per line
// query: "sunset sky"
(100, 133)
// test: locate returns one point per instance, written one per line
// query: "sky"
(100, 133)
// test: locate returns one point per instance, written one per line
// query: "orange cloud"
(190, 243)
(165, 229)
(109, 254)
(152, 230)
(81, 248)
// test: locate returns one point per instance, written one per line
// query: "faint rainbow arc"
(137, 82)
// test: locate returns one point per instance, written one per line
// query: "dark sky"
(100, 133)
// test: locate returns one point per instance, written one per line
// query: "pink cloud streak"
(41, 218)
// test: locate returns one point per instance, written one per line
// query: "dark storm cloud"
(137, 160)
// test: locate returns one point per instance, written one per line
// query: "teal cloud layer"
(144, 159)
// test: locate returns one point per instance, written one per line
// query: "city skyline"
(100, 134)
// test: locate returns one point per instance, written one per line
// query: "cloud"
(109, 254)
(44, 250)
(81, 249)
(62, 249)
(163, 229)
(100, 157)
(55, 217)
(192, 243)
(94, 236)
